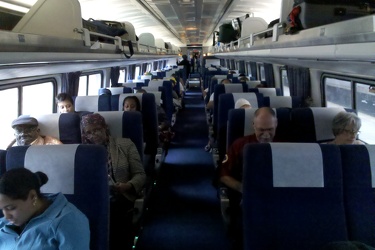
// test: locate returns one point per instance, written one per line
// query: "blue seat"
(92, 103)
(358, 163)
(282, 101)
(149, 117)
(226, 103)
(292, 196)
(120, 90)
(125, 125)
(240, 123)
(3, 154)
(65, 127)
(79, 172)
(267, 91)
(223, 89)
(313, 124)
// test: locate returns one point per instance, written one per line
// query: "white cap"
(240, 102)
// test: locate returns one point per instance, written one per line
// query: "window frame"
(87, 74)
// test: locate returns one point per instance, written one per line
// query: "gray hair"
(343, 119)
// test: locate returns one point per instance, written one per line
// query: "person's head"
(141, 91)
(65, 103)
(131, 103)
(225, 81)
(20, 194)
(26, 130)
(184, 57)
(94, 129)
(242, 103)
(173, 81)
(345, 127)
(243, 79)
(265, 123)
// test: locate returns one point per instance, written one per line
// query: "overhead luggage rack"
(345, 40)
(64, 38)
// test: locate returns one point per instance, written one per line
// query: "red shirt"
(232, 165)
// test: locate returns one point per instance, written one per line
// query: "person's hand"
(122, 187)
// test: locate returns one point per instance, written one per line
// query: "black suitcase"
(320, 12)
(226, 33)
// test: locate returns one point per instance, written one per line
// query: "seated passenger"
(131, 103)
(38, 221)
(345, 128)
(125, 168)
(65, 103)
(27, 132)
(242, 103)
(265, 123)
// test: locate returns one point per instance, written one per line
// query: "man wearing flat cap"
(27, 132)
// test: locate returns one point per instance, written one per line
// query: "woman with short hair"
(345, 128)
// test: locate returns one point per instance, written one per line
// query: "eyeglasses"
(351, 131)
(24, 130)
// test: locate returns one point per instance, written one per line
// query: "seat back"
(240, 123)
(267, 91)
(282, 101)
(223, 89)
(313, 124)
(93, 103)
(79, 172)
(125, 125)
(358, 163)
(226, 103)
(292, 196)
(65, 127)
(120, 90)
(149, 117)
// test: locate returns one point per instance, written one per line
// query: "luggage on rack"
(315, 13)
(109, 28)
(227, 33)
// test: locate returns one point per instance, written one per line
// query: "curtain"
(155, 65)
(241, 67)
(131, 72)
(268, 71)
(144, 68)
(115, 74)
(70, 83)
(299, 81)
(253, 68)
(222, 62)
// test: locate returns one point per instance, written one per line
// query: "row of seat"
(114, 102)
(306, 195)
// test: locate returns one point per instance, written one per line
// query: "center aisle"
(184, 209)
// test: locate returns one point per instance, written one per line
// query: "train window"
(137, 71)
(262, 72)
(9, 99)
(148, 69)
(38, 99)
(338, 92)
(122, 77)
(343, 92)
(365, 105)
(89, 84)
(284, 82)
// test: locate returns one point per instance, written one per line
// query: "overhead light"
(14, 7)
